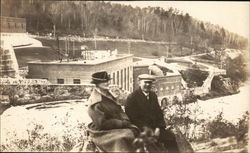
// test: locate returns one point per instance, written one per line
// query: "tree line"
(98, 18)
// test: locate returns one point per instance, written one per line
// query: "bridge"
(212, 71)
(206, 87)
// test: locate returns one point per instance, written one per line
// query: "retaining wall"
(27, 94)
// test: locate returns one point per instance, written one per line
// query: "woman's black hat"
(100, 77)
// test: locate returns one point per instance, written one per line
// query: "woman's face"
(104, 85)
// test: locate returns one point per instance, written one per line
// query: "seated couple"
(113, 130)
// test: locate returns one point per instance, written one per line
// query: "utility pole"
(68, 45)
(129, 47)
(95, 34)
(54, 31)
(191, 45)
(167, 48)
(73, 50)
(95, 42)
(58, 47)
(67, 48)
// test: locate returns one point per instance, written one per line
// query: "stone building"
(79, 72)
(8, 62)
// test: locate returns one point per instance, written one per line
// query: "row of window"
(169, 87)
(16, 26)
(121, 78)
(61, 81)
(75, 81)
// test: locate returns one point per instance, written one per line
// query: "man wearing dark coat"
(143, 110)
(110, 129)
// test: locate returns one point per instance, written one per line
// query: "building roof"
(4, 18)
(150, 62)
(84, 62)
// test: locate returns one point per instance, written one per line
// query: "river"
(232, 106)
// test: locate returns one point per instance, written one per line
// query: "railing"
(80, 39)
(11, 81)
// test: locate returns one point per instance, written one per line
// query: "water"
(232, 106)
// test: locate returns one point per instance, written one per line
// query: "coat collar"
(96, 96)
(141, 92)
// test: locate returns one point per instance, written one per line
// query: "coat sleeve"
(101, 122)
(131, 110)
(160, 117)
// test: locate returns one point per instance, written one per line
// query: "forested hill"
(115, 20)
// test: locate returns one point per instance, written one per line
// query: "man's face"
(145, 85)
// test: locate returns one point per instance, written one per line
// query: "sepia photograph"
(124, 76)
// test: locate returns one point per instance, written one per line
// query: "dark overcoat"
(147, 112)
(143, 112)
(110, 125)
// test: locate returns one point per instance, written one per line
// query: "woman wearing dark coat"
(110, 129)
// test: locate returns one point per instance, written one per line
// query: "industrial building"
(119, 66)
(168, 80)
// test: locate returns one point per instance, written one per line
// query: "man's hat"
(100, 77)
(147, 77)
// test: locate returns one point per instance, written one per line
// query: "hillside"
(93, 18)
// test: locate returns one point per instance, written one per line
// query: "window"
(125, 78)
(118, 80)
(113, 78)
(76, 81)
(128, 78)
(122, 79)
(60, 81)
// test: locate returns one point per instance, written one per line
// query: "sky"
(233, 16)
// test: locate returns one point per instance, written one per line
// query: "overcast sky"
(233, 16)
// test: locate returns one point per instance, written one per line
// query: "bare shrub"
(221, 128)
(39, 140)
